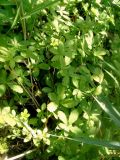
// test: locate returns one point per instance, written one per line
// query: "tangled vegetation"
(60, 79)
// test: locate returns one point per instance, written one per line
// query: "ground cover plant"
(59, 79)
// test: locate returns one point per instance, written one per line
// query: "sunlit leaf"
(73, 116)
(89, 39)
(62, 117)
(16, 88)
(98, 75)
(98, 90)
(52, 107)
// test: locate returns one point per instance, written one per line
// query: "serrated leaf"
(51, 107)
(73, 116)
(16, 88)
(62, 117)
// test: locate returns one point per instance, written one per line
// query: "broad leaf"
(73, 116)
(62, 117)
(16, 88)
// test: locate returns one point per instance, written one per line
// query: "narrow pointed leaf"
(40, 7)
(109, 109)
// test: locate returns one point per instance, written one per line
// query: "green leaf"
(40, 7)
(2, 89)
(8, 117)
(61, 158)
(89, 39)
(69, 103)
(98, 90)
(16, 88)
(96, 142)
(60, 91)
(62, 117)
(44, 66)
(99, 53)
(52, 107)
(98, 75)
(9, 120)
(73, 116)
(76, 130)
(114, 78)
(109, 109)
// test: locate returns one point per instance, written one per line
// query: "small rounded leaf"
(52, 107)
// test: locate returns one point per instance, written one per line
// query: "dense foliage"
(60, 79)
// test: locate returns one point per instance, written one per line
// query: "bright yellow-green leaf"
(10, 120)
(52, 107)
(98, 75)
(16, 88)
(77, 93)
(64, 127)
(62, 117)
(67, 60)
(75, 130)
(1, 119)
(100, 53)
(73, 116)
(89, 39)
(98, 90)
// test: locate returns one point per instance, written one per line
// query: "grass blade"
(92, 141)
(15, 19)
(112, 68)
(115, 80)
(109, 109)
(40, 7)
